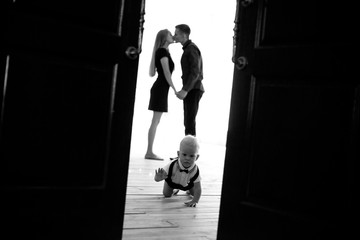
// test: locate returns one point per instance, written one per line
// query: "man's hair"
(184, 28)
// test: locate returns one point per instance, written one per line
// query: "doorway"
(212, 31)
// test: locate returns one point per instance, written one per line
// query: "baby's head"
(189, 151)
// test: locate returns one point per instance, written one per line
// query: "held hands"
(181, 94)
(160, 174)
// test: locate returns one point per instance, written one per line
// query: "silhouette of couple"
(192, 75)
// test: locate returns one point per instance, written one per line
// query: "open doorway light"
(211, 25)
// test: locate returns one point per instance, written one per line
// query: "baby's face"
(188, 155)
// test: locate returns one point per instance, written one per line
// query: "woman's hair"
(159, 42)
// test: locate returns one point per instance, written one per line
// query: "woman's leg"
(151, 136)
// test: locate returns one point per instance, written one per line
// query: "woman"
(161, 63)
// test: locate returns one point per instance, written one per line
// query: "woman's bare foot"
(153, 157)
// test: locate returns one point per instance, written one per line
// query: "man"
(192, 75)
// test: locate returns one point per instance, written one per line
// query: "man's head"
(189, 151)
(182, 32)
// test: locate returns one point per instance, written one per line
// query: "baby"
(182, 173)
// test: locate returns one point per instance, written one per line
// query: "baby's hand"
(190, 203)
(160, 174)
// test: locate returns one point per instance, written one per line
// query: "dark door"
(294, 123)
(67, 96)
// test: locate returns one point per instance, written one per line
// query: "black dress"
(160, 89)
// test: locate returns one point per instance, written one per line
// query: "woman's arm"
(165, 65)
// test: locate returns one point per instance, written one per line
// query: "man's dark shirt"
(192, 67)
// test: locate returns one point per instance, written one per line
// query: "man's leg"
(191, 107)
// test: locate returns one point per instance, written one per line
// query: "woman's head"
(163, 38)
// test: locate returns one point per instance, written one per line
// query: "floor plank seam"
(147, 228)
(159, 195)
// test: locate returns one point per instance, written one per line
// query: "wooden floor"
(148, 215)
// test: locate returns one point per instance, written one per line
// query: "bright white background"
(211, 23)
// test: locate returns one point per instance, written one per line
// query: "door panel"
(70, 106)
(293, 148)
(67, 97)
(294, 123)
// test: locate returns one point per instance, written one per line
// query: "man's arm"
(194, 68)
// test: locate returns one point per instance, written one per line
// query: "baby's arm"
(196, 197)
(160, 175)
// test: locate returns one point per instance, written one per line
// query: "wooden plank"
(180, 233)
(148, 223)
(137, 216)
(173, 203)
(149, 215)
